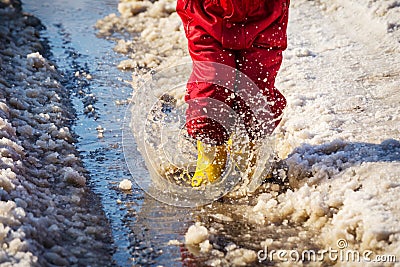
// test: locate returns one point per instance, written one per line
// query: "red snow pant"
(235, 62)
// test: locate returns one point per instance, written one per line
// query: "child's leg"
(210, 98)
(210, 89)
(261, 66)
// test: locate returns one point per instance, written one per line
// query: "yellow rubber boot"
(211, 161)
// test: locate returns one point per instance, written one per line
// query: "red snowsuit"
(246, 35)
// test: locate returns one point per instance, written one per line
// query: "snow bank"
(341, 128)
(340, 131)
(368, 18)
(47, 215)
(158, 35)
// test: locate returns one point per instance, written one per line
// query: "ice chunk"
(73, 177)
(125, 184)
(196, 234)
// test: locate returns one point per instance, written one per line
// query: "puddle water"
(141, 226)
